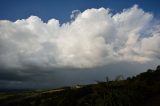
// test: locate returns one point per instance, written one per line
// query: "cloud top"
(95, 37)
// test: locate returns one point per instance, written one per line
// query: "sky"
(48, 44)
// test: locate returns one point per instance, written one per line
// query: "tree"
(158, 68)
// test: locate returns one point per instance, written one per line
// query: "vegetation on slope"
(136, 91)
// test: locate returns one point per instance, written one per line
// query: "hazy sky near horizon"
(48, 43)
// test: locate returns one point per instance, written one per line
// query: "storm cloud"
(93, 38)
(96, 37)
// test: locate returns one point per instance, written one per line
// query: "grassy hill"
(140, 90)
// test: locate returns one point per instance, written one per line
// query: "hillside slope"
(141, 90)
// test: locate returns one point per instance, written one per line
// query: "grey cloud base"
(94, 38)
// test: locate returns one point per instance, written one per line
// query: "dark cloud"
(70, 76)
(95, 44)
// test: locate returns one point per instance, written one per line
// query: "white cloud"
(94, 38)
(75, 14)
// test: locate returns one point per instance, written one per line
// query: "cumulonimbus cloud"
(95, 37)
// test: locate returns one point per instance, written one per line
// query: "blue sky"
(61, 9)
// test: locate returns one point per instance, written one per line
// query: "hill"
(140, 90)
